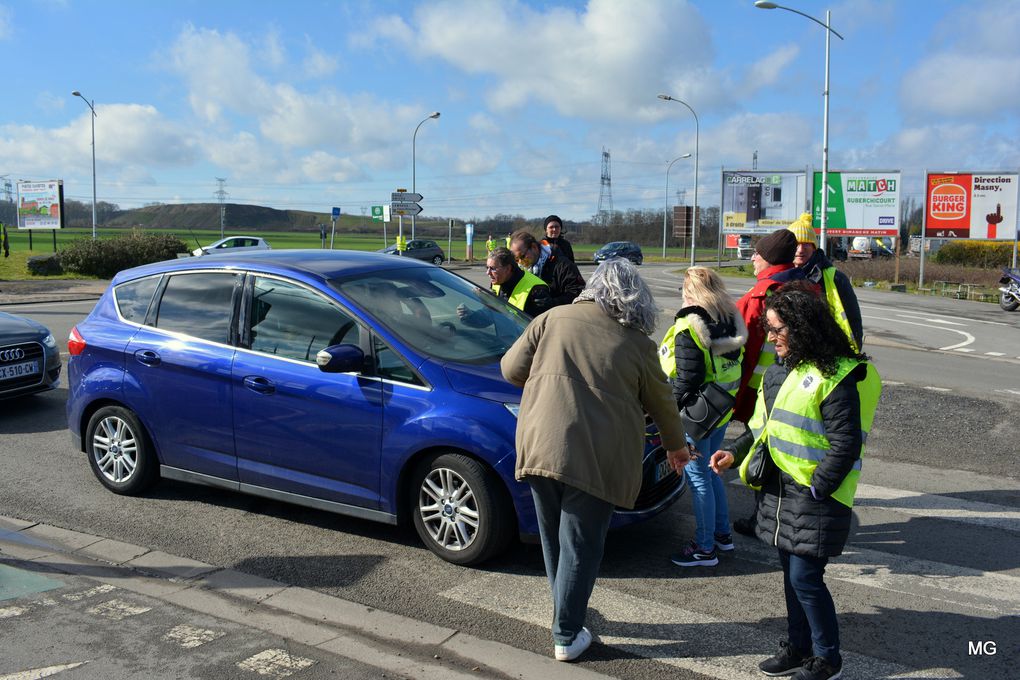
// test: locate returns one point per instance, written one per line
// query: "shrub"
(975, 253)
(105, 257)
(44, 265)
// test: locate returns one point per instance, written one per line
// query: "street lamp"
(697, 134)
(764, 4)
(434, 114)
(666, 209)
(92, 107)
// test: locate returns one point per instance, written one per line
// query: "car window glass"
(198, 304)
(389, 364)
(133, 298)
(295, 322)
(420, 307)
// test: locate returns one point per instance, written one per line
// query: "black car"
(29, 358)
(420, 249)
(627, 249)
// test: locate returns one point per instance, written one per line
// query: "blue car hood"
(484, 381)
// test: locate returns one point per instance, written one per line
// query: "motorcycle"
(1009, 294)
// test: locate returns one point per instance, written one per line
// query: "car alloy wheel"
(437, 260)
(119, 451)
(461, 509)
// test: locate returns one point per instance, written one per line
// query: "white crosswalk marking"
(91, 592)
(664, 633)
(36, 673)
(11, 612)
(190, 637)
(933, 505)
(117, 609)
(275, 663)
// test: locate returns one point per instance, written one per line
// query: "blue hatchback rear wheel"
(119, 450)
(460, 511)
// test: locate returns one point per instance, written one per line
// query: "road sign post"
(332, 238)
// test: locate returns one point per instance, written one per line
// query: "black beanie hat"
(552, 218)
(779, 247)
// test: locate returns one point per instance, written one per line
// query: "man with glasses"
(773, 266)
(560, 274)
(520, 288)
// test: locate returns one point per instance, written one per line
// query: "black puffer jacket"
(813, 271)
(725, 338)
(790, 516)
(564, 281)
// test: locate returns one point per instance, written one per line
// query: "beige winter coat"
(587, 382)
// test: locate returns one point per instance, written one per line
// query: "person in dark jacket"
(834, 285)
(545, 262)
(704, 345)
(554, 237)
(815, 407)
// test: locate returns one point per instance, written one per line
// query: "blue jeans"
(572, 525)
(708, 493)
(810, 613)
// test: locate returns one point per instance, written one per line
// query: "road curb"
(332, 624)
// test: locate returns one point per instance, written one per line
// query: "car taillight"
(75, 343)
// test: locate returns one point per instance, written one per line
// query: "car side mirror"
(341, 359)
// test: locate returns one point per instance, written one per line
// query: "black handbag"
(759, 466)
(706, 412)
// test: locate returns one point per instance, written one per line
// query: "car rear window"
(199, 304)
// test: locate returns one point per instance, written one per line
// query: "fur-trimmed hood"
(722, 337)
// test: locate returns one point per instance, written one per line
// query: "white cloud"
(766, 71)
(319, 64)
(973, 70)
(477, 161)
(606, 61)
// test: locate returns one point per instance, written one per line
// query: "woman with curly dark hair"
(815, 408)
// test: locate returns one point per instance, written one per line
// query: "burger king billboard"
(971, 205)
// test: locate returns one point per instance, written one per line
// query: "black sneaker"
(745, 526)
(817, 668)
(693, 556)
(787, 662)
(724, 542)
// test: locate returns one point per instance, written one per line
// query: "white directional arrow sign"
(402, 208)
(404, 197)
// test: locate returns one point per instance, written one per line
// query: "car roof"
(322, 264)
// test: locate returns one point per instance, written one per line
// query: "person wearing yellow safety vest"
(490, 245)
(703, 346)
(833, 284)
(520, 288)
(815, 409)
(401, 244)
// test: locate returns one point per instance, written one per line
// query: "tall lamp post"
(434, 114)
(764, 4)
(697, 134)
(665, 210)
(92, 108)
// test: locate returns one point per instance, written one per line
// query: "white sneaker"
(576, 648)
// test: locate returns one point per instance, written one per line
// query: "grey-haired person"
(589, 373)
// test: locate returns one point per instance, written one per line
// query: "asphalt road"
(932, 567)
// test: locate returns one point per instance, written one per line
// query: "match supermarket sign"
(980, 206)
(41, 204)
(759, 202)
(859, 203)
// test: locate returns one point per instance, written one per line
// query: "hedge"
(985, 254)
(105, 257)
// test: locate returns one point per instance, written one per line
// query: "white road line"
(1016, 392)
(936, 389)
(945, 316)
(661, 632)
(968, 338)
(959, 349)
(933, 505)
(91, 592)
(995, 354)
(35, 673)
(893, 382)
(275, 663)
(928, 318)
(11, 612)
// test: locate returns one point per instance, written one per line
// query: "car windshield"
(420, 305)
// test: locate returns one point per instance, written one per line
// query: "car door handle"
(259, 384)
(147, 357)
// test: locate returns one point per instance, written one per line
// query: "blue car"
(338, 380)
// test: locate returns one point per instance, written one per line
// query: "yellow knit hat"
(803, 230)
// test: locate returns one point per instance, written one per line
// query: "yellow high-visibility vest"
(519, 295)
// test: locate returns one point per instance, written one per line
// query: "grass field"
(15, 267)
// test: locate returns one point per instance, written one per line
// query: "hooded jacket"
(813, 269)
(724, 338)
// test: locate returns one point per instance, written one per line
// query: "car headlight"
(513, 408)
(49, 341)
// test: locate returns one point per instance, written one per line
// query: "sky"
(311, 104)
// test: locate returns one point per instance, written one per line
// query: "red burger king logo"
(948, 202)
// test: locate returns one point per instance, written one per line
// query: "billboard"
(759, 201)
(859, 203)
(970, 205)
(41, 204)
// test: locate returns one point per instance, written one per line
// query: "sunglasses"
(774, 330)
